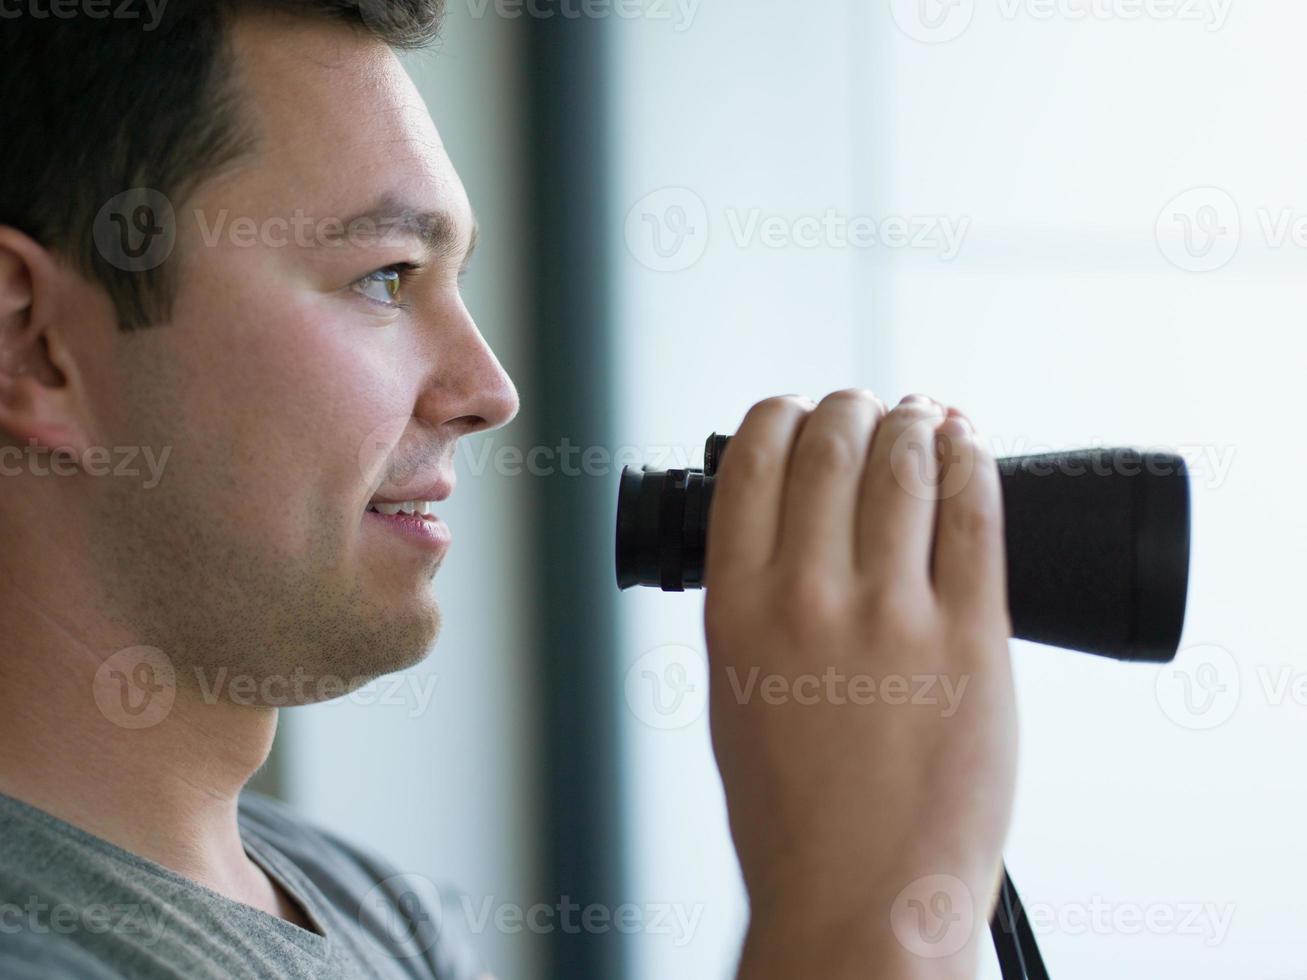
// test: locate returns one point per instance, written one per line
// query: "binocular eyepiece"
(1097, 544)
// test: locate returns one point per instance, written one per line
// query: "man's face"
(294, 391)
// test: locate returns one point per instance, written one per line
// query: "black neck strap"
(1018, 953)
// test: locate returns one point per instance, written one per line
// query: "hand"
(861, 693)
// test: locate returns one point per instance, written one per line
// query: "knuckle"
(809, 599)
(852, 397)
(915, 435)
(887, 611)
(780, 405)
(879, 603)
(908, 445)
(827, 450)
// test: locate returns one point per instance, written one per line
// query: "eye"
(384, 285)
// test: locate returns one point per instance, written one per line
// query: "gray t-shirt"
(73, 905)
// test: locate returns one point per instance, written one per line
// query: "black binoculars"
(1097, 544)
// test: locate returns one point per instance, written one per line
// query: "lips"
(435, 491)
(425, 530)
(409, 510)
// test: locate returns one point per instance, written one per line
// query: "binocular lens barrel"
(1097, 544)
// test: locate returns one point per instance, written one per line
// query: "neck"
(87, 734)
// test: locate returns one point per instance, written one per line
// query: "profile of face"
(304, 376)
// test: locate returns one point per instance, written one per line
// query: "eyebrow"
(390, 219)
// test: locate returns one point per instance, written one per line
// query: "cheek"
(279, 406)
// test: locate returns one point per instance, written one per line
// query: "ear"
(38, 398)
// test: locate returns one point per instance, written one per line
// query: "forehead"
(338, 119)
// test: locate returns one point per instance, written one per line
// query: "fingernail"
(916, 398)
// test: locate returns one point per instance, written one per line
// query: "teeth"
(411, 507)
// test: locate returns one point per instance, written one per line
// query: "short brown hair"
(97, 107)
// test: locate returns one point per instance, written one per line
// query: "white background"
(1069, 317)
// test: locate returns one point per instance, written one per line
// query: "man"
(233, 244)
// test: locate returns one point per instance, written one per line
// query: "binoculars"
(1097, 544)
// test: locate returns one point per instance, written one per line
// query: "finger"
(970, 570)
(896, 516)
(820, 509)
(748, 488)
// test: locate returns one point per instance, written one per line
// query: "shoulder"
(361, 881)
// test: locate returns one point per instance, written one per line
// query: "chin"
(337, 659)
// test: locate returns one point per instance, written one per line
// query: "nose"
(470, 390)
